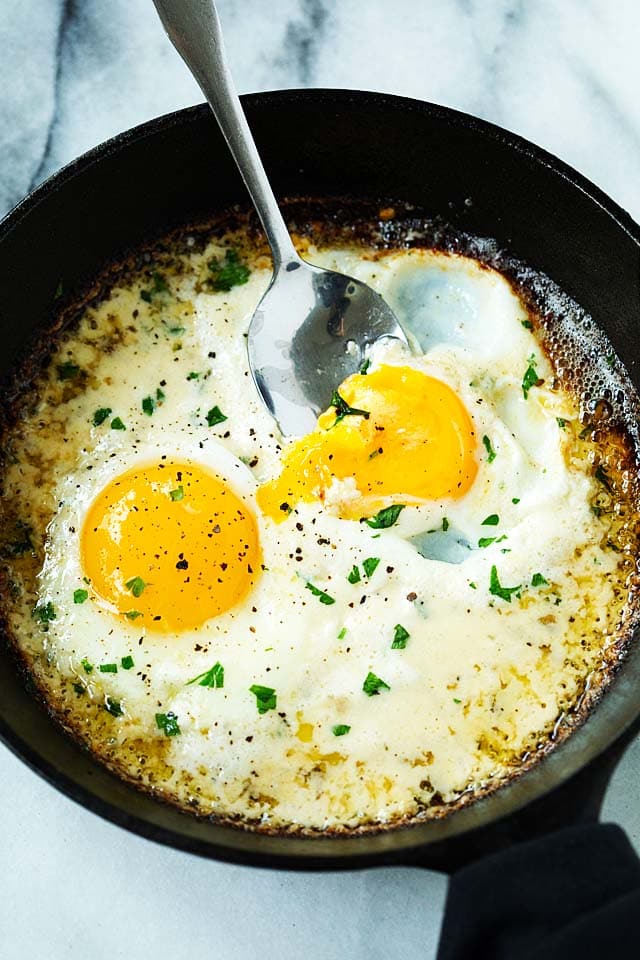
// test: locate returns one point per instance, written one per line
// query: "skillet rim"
(404, 843)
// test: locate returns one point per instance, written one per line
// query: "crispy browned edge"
(382, 224)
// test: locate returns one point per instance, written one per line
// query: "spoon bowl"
(313, 327)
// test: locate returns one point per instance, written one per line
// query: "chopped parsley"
(320, 594)
(266, 698)
(491, 454)
(340, 729)
(132, 614)
(215, 416)
(148, 406)
(364, 369)
(354, 575)
(342, 633)
(562, 423)
(194, 375)
(101, 415)
(108, 668)
(385, 518)
(344, 410)
(496, 588)
(487, 541)
(177, 494)
(227, 273)
(136, 585)
(68, 370)
(87, 667)
(537, 580)
(455, 700)
(491, 521)
(400, 637)
(45, 613)
(159, 286)
(127, 662)
(113, 706)
(160, 395)
(79, 596)
(373, 685)
(515, 500)
(117, 424)
(445, 524)
(527, 324)
(168, 722)
(474, 586)
(213, 678)
(370, 565)
(531, 378)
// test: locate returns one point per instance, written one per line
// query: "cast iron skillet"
(328, 143)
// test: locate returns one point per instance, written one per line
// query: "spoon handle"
(194, 29)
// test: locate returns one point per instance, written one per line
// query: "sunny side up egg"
(361, 625)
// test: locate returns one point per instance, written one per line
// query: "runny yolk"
(169, 545)
(416, 444)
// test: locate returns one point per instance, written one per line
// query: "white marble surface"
(564, 73)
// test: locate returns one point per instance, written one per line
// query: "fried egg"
(363, 625)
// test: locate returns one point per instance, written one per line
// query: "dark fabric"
(570, 894)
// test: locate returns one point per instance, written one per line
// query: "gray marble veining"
(74, 72)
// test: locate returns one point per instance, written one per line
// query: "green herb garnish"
(177, 494)
(148, 406)
(101, 415)
(342, 633)
(495, 587)
(344, 410)
(87, 667)
(266, 698)
(68, 370)
(354, 575)
(159, 286)
(531, 377)
(491, 454)
(79, 596)
(194, 375)
(562, 423)
(515, 500)
(136, 585)
(45, 613)
(373, 685)
(340, 729)
(320, 594)
(215, 416)
(113, 706)
(455, 700)
(364, 369)
(132, 614)
(537, 580)
(127, 662)
(445, 524)
(227, 273)
(370, 565)
(160, 395)
(168, 722)
(491, 521)
(213, 678)
(400, 637)
(117, 424)
(108, 668)
(527, 324)
(385, 518)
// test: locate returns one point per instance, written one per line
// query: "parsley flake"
(213, 678)
(132, 614)
(445, 524)
(491, 521)
(117, 424)
(400, 637)
(342, 633)
(527, 324)
(498, 590)
(491, 454)
(320, 594)
(79, 596)
(562, 423)
(227, 273)
(68, 370)
(101, 415)
(113, 706)
(354, 575)
(177, 494)
(373, 685)
(87, 667)
(136, 585)
(385, 518)
(364, 369)
(340, 729)
(531, 378)
(215, 416)
(266, 698)
(148, 406)
(370, 565)
(127, 662)
(108, 668)
(168, 722)
(537, 580)
(45, 613)
(344, 410)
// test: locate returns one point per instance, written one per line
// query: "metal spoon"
(313, 327)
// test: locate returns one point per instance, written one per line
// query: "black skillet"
(328, 143)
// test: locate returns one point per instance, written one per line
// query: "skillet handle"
(193, 26)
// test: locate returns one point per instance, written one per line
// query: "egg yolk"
(170, 544)
(402, 435)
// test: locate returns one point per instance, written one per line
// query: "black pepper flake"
(182, 565)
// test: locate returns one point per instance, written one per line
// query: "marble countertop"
(74, 72)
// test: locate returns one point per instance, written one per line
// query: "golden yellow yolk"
(417, 444)
(169, 545)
